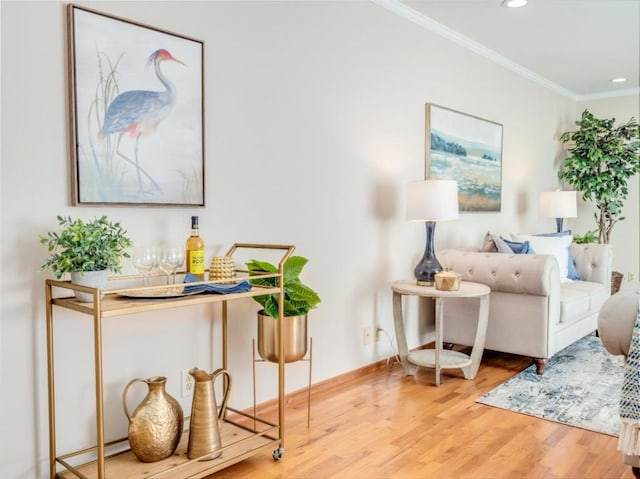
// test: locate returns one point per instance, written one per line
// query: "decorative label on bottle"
(195, 250)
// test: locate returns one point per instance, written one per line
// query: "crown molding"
(418, 18)
(609, 94)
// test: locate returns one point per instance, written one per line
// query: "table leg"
(403, 349)
(438, 326)
(478, 344)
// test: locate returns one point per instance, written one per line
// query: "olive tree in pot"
(87, 250)
(603, 158)
(299, 299)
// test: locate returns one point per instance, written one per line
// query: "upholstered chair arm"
(616, 319)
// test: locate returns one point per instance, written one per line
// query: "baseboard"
(335, 382)
(332, 383)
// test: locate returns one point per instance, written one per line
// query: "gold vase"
(204, 428)
(155, 427)
(295, 337)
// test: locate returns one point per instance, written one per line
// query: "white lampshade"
(558, 204)
(432, 200)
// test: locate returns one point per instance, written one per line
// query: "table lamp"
(431, 201)
(559, 205)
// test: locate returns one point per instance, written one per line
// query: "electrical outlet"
(367, 336)
(187, 382)
(379, 332)
(630, 276)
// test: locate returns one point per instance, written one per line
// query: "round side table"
(438, 358)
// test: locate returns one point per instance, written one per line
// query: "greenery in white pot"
(603, 158)
(80, 246)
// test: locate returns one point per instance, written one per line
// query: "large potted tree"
(602, 158)
(87, 250)
(299, 299)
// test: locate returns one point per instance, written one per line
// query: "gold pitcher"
(204, 435)
(155, 427)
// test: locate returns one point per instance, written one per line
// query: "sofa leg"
(540, 364)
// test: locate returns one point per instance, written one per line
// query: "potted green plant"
(602, 159)
(299, 299)
(87, 250)
(588, 237)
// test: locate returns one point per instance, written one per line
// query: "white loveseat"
(531, 313)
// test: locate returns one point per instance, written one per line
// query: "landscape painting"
(136, 100)
(467, 149)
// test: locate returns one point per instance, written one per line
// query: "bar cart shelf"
(243, 435)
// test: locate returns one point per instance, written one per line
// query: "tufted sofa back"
(511, 273)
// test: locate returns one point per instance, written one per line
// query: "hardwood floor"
(380, 424)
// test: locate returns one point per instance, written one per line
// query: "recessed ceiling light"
(514, 3)
(618, 80)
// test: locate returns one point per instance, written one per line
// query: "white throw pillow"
(554, 245)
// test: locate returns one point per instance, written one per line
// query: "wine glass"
(145, 258)
(171, 258)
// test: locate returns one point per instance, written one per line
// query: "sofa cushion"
(558, 246)
(494, 243)
(519, 248)
(579, 298)
(488, 245)
(572, 272)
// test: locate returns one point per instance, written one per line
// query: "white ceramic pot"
(93, 279)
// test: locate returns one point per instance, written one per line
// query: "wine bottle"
(195, 250)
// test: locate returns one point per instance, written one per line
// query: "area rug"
(580, 387)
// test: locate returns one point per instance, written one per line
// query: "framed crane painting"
(137, 115)
(467, 149)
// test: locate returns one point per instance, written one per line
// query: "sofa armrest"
(535, 274)
(594, 262)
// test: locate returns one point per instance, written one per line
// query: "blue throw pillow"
(519, 248)
(571, 264)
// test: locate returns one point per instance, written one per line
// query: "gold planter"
(295, 337)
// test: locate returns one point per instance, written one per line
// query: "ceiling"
(572, 46)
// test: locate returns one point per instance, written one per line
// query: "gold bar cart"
(243, 435)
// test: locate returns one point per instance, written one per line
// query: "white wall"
(625, 237)
(319, 106)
